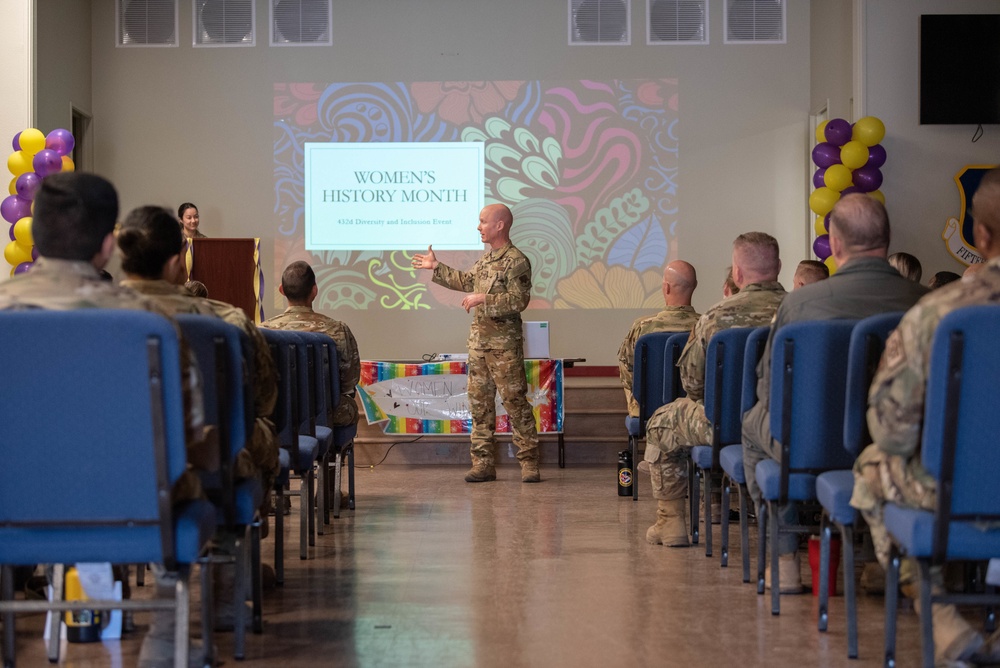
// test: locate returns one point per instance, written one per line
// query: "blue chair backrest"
(327, 386)
(961, 416)
(751, 358)
(867, 342)
(724, 383)
(672, 386)
(283, 346)
(808, 382)
(650, 379)
(308, 400)
(92, 435)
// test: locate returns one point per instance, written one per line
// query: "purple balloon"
(822, 246)
(837, 132)
(876, 156)
(818, 175)
(825, 154)
(11, 233)
(22, 268)
(13, 209)
(34, 253)
(47, 162)
(61, 141)
(27, 185)
(826, 221)
(850, 189)
(17, 142)
(867, 178)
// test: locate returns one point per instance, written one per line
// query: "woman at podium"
(187, 214)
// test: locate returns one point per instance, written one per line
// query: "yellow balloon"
(13, 186)
(68, 164)
(877, 194)
(819, 227)
(868, 130)
(854, 154)
(19, 162)
(821, 132)
(15, 253)
(831, 264)
(22, 232)
(821, 200)
(837, 177)
(32, 141)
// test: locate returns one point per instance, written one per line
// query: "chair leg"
(279, 534)
(824, 572)
(926, 618)
(256, 584)
(338, 470)
(304, 502)
(207, 610)
(7, 594)
(775, 529)
(891, 603)
(55, 619)
(744, 532)
(311, 514)
(350, 475)
(850, 597)
(706, 475)
(761, 547)
(694, 492)
(240, 597)
(140, 575)
(182, 615)
(322, 498)
(724, 521)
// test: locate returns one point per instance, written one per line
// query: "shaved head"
(679, 281)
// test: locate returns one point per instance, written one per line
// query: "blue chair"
(723, 389)
(224, 356)
(299, 452)
(655, 382)
(731, 456)
(98, 490)
(808, 380)
(958, 450)
(834, 488)
(325, 381)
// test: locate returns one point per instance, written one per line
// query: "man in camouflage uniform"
(682, 423)
(679, 282)
(74, 221)
(889, 470)
(298, 285)
(500, 283)
(864, 285)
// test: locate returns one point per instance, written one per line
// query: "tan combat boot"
(671, 524)
(789, 574)
(529, 471)
(481, 472)
(954, 639)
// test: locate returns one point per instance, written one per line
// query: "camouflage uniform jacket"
(504, 276)
(896, 399)
(304, 319)
(65, 285)
(753, 306)
(670, 319)
(176, 300)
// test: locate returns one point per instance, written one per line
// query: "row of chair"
(821, 372)
(101, 389)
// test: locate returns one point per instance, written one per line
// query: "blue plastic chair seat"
(801, 486)
(731, 461)
(248, 497)
(701, 455)
(833, 490)
(325, 437)
(285, 466)
(344, 435)
(632, 425)
(308, 451)
(913, 530)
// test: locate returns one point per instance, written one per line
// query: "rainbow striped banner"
(433, 398)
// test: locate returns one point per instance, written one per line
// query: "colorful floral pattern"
(589, 169)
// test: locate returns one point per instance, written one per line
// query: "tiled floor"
(431, 571)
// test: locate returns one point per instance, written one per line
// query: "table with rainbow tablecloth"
(432, 398)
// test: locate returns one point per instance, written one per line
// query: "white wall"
(196, 124)
(16, 17)
(63, 62)
(923, 159)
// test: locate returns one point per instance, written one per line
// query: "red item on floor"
(814, 563)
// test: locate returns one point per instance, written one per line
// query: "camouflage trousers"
(881, 478)
(346, 412)
(490, 372)
(670, 431)
(758, 446)
(260, 457)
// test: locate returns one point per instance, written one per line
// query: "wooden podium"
(230, 269)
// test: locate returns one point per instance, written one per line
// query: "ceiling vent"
(677, 21)
(599, 22)
(224, 22)
(755, 21)
(146, 22)
(301, 22)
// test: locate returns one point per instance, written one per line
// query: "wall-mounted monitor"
(959, 69)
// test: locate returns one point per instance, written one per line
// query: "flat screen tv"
(959, 69)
